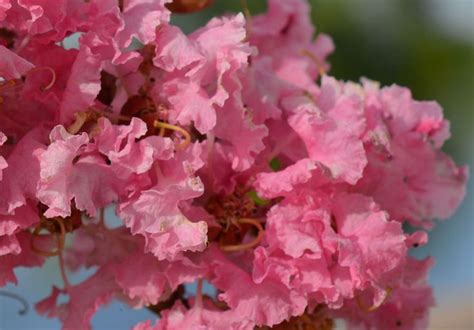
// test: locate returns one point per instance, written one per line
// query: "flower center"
(7, 38)
(238, 215)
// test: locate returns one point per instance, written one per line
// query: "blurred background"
(426, 45)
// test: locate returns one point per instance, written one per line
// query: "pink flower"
(206, 76)
(325, 130)
(62, 178)
(126, 155)
(226, 162)
(374, 251)
(407, 307)
(407, 174)
(267, 302)
(155, 213)
(287, 27)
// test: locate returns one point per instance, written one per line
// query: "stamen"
(182, 131)
(246, 246)
(53, 76)
(246, 10)
(18, 298)
(111, 115)
(248, 18)
(102, 217)
(162, 132)
(81, 118)
(198, 302)
(60, 238)
(62, 268)
(372, 308)
(316, 60)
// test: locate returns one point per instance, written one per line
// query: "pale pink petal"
(12, 66)
(83, 85)
(56, 166)
(67, 175)
(140, 20)
(294, 227)
(174, 50)
(21, 176)
(191, 104)
(266, 303)
(125, 150)
(243, 139)
(406, 308)
(210, 82)
(156, 216)
(371, 237)
(281, 183)
(332, 130)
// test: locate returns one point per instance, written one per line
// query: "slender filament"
(198, 303)
(53, 76)
(368, 309)
(111, 115)
(163, 126)
(62, 268)
(60, 238)
(246, 246)
(316, 60)
(248, 16)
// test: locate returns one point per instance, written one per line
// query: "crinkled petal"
(332, 131)
(281, 183)
(83, 85)
(140, 20)
(174, 50)
(267, 303)
(12, 66)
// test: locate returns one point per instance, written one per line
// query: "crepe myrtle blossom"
(231, 158)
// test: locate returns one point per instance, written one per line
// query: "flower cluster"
(230, 157)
